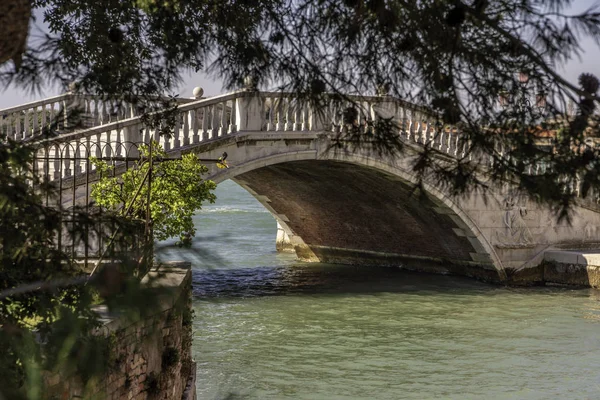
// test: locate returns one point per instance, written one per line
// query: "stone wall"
(149, 359)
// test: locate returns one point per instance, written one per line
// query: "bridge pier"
(283, 243)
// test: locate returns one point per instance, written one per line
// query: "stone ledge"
(576, 257)
(169, 279)
(572, 267)
(482, 270)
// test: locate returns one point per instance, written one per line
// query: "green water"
(267, 327)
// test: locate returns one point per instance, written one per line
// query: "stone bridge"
(351, 207)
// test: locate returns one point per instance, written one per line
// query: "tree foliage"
(176, 187)
(47, 318)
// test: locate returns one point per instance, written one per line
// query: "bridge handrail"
(187, 106)
(27, 121)
(196, 104)
(357, 97)
(34, 104)
(69, 95)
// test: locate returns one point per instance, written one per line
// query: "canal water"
(268, 327)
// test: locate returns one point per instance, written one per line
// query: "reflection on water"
(267, 327)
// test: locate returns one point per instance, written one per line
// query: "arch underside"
(340, 212)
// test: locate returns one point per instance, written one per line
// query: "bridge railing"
(67, 113)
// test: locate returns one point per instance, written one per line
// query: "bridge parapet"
(66, 113)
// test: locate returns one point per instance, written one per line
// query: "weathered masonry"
(354, 207)
(148, 359)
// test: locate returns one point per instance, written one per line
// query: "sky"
(589, 61)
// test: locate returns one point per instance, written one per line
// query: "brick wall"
(149, 359)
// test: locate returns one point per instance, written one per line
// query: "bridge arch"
(306, 193)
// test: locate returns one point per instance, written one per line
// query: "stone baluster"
(40, 119)
(77, 158)
(167, 138)
(65, 110)
(19, 134)
(439, 139)
(333, 117)
(418, 129)
(44, 119)
(34, 124)
(53, 113)
(177, 129)
(67, 160)
(156, 136)
(224, 120)
(411, 126)
(365, 111)
(146, 131)
(186, 126)
(298, 116)
(233, 126)
(315, 122)
(463, 148)
(97, 112)
(95, 116)
(87, 152)
(105, 113)
(446, 142)
(119, 143)
(373, 115)
(205, 122)
(269, 112)
(404, 122)
(3, 127)
(281, 114)
(26, 124)
(194, 115)
(99, 145)
(109, 144)
(413, 133)
(425, 130)
(429, 133)
(57, 164)
(85, 103)
(304, 117)
(456, 143)
(215, 121)
(45, 164)
(280, 125)
(289, 114)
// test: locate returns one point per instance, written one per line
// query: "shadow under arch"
(436, 230)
